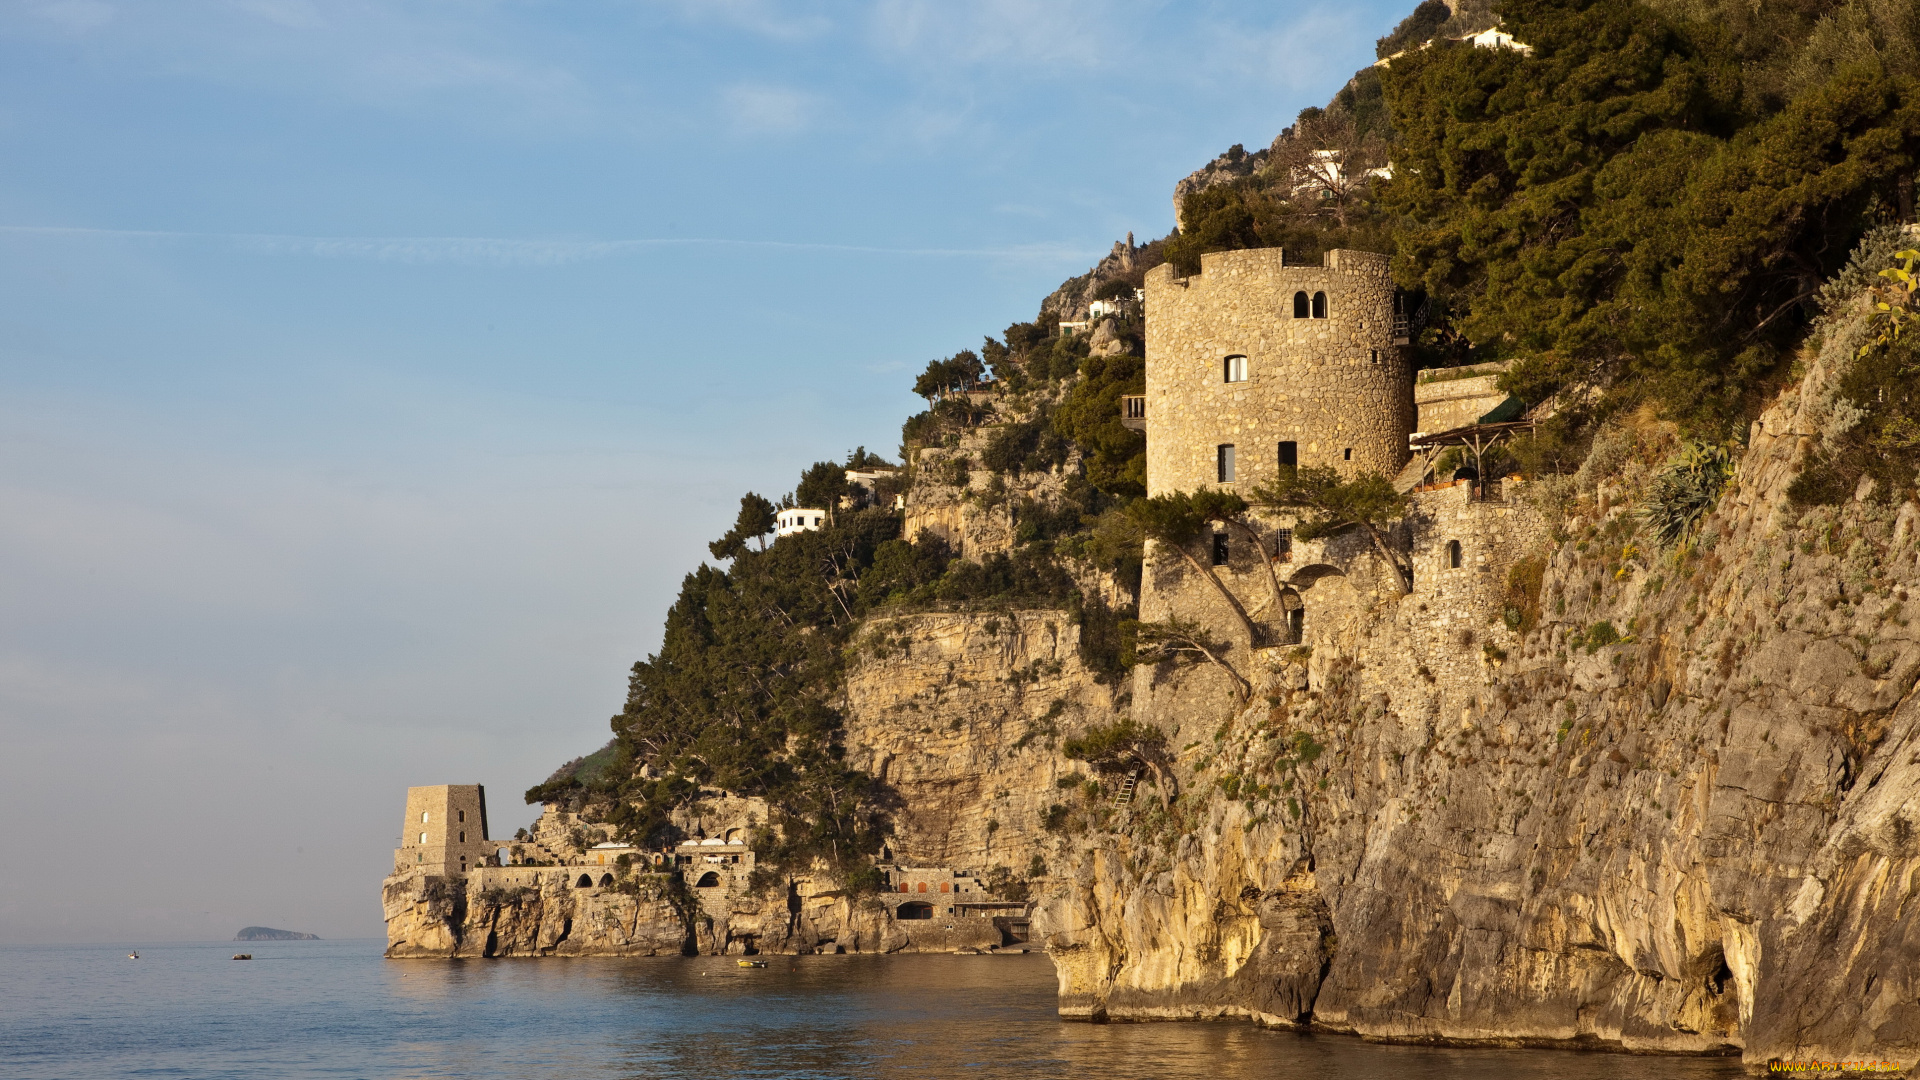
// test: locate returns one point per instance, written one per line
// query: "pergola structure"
(1479, 438)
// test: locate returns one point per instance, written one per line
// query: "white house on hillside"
(788, 522)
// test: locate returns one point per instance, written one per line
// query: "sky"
(372, 371)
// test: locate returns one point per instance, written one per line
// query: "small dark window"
(1297, 625)
(1300, 308)
(1235, 368)
(1289, 455)
(463, 836)
(463, 815)
(1373, 356)
(1224, 462)
(1319, 305)
(1453, 554)
(1283, 545)
(1349, 454)
(1220, 549)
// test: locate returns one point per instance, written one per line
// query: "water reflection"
(331, 1009)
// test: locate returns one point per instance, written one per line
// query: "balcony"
(1133, 411)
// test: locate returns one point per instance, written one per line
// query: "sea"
(337, 1009)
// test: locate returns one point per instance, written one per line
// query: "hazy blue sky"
(371, 371)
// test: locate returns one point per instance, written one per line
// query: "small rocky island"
(268, 933)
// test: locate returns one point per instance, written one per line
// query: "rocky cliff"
(1671, 812)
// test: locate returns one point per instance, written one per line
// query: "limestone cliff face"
(1691, 829)
(961, 714)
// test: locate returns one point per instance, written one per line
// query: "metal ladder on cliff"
(1124, 797)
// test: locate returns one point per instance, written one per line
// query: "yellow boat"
(753, 963)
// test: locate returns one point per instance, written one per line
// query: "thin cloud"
(75, 16)
(754, 16)
(499, 251)
(1072, 33)
(768, 110)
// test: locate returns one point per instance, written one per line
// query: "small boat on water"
(243, 956)
(753, 963)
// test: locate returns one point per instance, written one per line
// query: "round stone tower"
(1254, 364)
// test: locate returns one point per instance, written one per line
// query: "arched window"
(1300, 308)
(585, 882)
(423, 817)
(1453, 554)
(463, 815)
(943, 886)
(915, 910)
(708, 880)
(606, 880)
(423, 838)
(923, 886)
(1319, 305)
(463, 836)
(1236, 368)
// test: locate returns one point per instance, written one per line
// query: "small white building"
(788, 522)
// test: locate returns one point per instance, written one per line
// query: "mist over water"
(337, 1009)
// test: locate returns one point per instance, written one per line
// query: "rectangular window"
(1289, 455)
(1236, 369)
(1349, 455)
(1225, 462)
(1283, 545)
(1219, 549)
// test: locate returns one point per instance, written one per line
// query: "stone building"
(445, 830)
(1255, 364)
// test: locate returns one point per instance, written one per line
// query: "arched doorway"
(606, 880)
(1294, 611)
(585, 882)
(708, 880)
(914, 910)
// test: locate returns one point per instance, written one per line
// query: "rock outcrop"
(1677, 814)
(1235, 164)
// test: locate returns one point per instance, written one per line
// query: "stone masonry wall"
(1454, 403)
(1328, 385)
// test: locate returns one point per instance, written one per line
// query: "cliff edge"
(1672, 811)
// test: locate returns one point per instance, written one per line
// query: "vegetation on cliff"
(1643, 206)
(1639, 212)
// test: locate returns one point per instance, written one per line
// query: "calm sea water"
(336, 1009)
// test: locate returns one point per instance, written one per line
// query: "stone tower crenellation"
(1254, 361)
